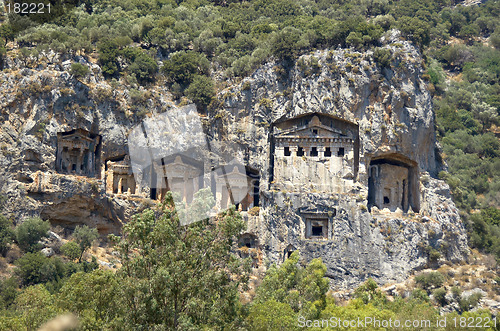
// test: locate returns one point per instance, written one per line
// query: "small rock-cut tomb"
(315, 151)
(119, 177)
(393, 183)
(77, 152)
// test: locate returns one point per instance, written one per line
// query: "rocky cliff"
(381, 94)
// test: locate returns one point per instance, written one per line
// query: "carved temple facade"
(315, 151)
(119, 177)
(77, 153)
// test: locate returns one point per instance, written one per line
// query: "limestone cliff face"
(36, 105)
(393, 112)
(360, 223)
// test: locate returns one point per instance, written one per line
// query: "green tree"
(382, 57)
(495, 39)
(71, 250)
(285, 43)
(36, 306)
(8, 292)
(6, 234)
(304, 289)
(96, 297)
(271, 315)
(369, 292)
(180, 277)
(3, 51)
(142, 65)
(201, 91)
(7, 33)
(30, 232)
(182, 67)
(79, 70)
(85, 237)
(144, 68)
(429, 280)
(108, 56)
(440, 296)
(35, 268)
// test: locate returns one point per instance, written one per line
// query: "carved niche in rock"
(237, 185)
(77, 152)
(180, 174)
(393, 183)
(315, 151)
(119, 177)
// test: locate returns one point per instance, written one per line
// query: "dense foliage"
(183, 277)
(29, 233)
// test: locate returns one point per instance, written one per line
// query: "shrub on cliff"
(142, 65)
(6, 234)
(35, 268)
(85, 237)
(182, 67)
(201, 91)
(78, 70)
(430, 280)
(30, 232)
(71, 250)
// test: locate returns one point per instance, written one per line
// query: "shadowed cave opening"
(393, 183)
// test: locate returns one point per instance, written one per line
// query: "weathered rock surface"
(390, 106)
(393, 110)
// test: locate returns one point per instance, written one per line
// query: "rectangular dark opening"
(73, 167)
(287, 151)
(317, 228)
(315, 131)
(328, 152)
(317, 231)
(300, 151)
(341, 151)
(314, 151)
(256, 185)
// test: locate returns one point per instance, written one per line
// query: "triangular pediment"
(231, 172)
(320, 131)
(77, 137)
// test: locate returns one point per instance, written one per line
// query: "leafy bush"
(419, 295)
(36, 305)
(469, 302)
(201, 91)
(96, 295)
(30, 232)
(71, 250)
(285, 44)
(440, 296)
(271, 315)
(429, 280)
(8, 291)
(369, 292)
(35, 268)
(108, 56)
(383, 57)
(85, 237)
(6, 234)
(182, 67)
(142, 65)
(79, 70)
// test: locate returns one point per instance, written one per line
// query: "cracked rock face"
(385, 112)
(393, 112)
